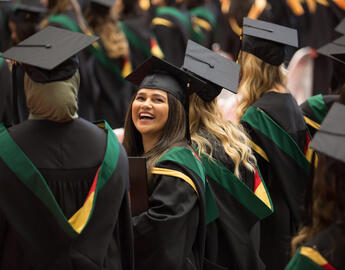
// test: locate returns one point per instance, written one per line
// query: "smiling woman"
(150, 113)
(171, 233)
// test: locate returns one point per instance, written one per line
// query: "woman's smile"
(150, 111)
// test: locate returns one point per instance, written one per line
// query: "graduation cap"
(34, 6)
(156, 73)
(335, 49)
(341, 27)
(105, 3)
(217, 70)
(48, 55)
(267, 40)
(330, 138)
(28, 10)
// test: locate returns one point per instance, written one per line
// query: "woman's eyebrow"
(158, 95)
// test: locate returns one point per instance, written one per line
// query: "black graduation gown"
(170, 234)
(323, 251)
(5, 93)
(310, 24)
(228, 241)
(205, 18)
(35, 234)
(142, 43)
(114, 92)
(315, 109)
(88, 85)
(276, 126)
(5, 34)
(172, 33)
(22, 112)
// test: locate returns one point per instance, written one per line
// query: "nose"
(146, 104)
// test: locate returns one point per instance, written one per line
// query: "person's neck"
(149, 141)
(279, 89)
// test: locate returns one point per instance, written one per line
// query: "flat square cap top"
(219, 71)
(49, 47)
(270, 31)
(341, 27)
(156, 73)
(334, 49)
(105, 3)
(330, 139)
(34, 6)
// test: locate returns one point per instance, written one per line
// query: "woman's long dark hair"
(328, 199)
(173, 133)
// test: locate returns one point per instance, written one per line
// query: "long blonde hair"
(257, 78)
(61, 6)
(235, 142)
(104, 23)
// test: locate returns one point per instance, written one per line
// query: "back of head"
(105, 24)
(52, 79)
(328, 192)
(206, 117)
(326, 204)
(256, 78)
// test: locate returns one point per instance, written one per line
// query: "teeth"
(145, 116)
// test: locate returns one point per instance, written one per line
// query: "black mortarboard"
(47, 55)
(156, 73)
(267, 40)
(330, 139)
(28, 10)
(105, 3)
(341, 27)
(34, 6)
(334, 49)
(217, 70)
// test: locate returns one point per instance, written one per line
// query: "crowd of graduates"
(228, 117)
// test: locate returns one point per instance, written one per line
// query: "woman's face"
(150, 110)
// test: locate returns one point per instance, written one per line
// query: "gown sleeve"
(3, 227)
(308, 258)
(164, 235)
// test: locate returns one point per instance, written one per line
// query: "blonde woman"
(111, 63)
(278, 132)
(230, 168)
(234, 181)
(65, 14)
